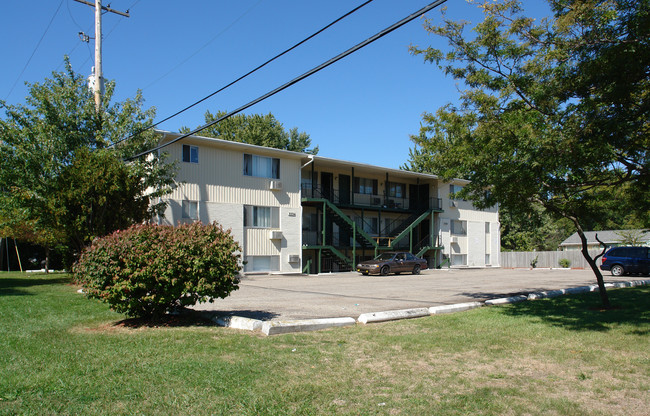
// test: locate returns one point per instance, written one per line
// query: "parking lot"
(273, 297)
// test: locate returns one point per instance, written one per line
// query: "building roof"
(166, 136)
(228, 144)
(606, 236)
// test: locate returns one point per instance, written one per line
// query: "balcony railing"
(365, 200)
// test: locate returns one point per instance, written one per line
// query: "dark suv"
(622, 260)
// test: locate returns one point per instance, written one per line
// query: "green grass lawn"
(61, 353)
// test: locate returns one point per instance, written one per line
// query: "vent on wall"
(275, 235)
(294, 258)
(275, 186)
(454, 240)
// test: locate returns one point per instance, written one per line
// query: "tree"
(554, 113)
(633, 237)
(63, 184)
(535, 230)
(257, 129)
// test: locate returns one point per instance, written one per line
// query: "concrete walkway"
(280, 299)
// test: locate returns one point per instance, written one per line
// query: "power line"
(34, 51)
(247, 74)
(307, 74)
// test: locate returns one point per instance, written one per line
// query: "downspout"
(311, 160)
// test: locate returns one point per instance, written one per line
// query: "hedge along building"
(293, 212)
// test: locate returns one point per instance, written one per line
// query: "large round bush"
(148, 270)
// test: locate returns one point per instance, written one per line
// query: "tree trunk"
(592, 263)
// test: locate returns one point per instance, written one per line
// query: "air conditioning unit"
(275, 186)
(275, 235)
(454, 240)
(294, 258)
(453, 204)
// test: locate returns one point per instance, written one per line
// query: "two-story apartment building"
(292, 212)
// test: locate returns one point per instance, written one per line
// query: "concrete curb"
(366, 318)
(503, 301)
(283, 327)
(288, 326)
(239, 322)
(458, 307)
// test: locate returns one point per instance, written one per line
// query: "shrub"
(565, 263)
(533, 262)
(148, 270)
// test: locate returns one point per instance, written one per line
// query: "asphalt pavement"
(295, 297)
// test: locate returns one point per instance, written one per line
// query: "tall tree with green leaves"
(553, 113)
(63, 183)
(257, 129)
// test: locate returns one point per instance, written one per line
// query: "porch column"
(352, 187)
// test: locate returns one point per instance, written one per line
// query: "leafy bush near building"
(148, 270)
(565, 263)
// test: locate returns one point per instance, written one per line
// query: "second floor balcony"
(355, 199)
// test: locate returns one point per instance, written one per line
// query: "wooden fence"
(513, 259)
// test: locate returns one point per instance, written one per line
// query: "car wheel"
(617, 270)
(416, 269)
(384, 270)
(364, 273)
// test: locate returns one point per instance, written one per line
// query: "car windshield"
(385, 256)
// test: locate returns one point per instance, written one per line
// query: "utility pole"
(99, 76)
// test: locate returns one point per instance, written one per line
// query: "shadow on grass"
(12, 286)
(631, 306)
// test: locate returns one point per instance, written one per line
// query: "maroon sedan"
(392, 262)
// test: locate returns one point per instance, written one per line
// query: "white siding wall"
(221, 188)
(477, 243)
(218, 177)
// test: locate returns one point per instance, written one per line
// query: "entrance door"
(419, 197)
(327, 182)
(344, 189)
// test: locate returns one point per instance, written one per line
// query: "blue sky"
(361, 109)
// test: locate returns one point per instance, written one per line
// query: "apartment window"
(458, 227)
(262, 263)
(261, 217)
(487, 259)
(190, 210)
(453, 190)
(397, 190)
(307, 181)
(459, 259)
(309, 222)
(365, 186)
(369, 225)
(487, 228)
(261, 166)
(190, 154)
